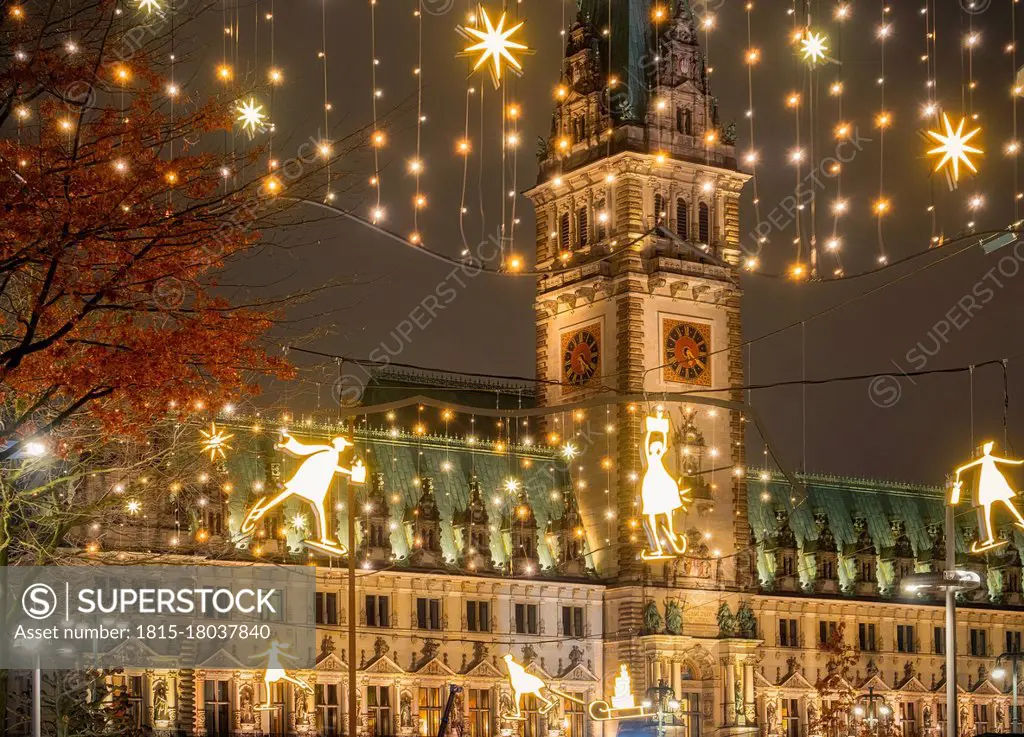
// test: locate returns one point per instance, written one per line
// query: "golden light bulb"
(793, 99)
(881, 206)
(710, 137)
(378, 139)
(419, 201)
(463, 146)
(513, 111)
(275, 75)
(415, 239)
(836, 89)
(797, 271)
(843, 130)
(122, 74)
(561, 91)
(171, 177)
(883, 119)
(415, 166)
(17, 12)
(659, 13)
(753, 56)
(564, 143)
(273, 185)
(22, 112)
(325, 149)
(225, 73)
(515, 263)
(660, 157)
(65, 124)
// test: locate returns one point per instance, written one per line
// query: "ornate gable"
(578, 672)
(435, 667)
(484, 669)
(222, 660)
(383, 664)
(331, 662)
(796, 680)
(875, 682)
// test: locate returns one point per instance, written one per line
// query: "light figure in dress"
(990, 486)
(660, 495)
(275, 672)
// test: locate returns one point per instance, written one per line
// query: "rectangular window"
(1012, 641)
(980, 718)
(791, 718)
(979, 644)
(788, 633)
(940, 717)
(478, 616)
(328, 710)
(378, 711)
(479, 712)
(378, 610)
(601, 216)
(575, 720)
(430, 709)
(867, 637)
(326, 608)
(572, 621)
(581, 227)
(689, 709)
(939, 640)
(563, 231)
(905, 638)
(216, 708)
(826, 630)
(279, 714)
(908, 718)
(531, 717)
(428, 613)
(526, 619)
(275, 613)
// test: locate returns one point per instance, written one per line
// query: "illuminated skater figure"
(275, 672)
(990, 486)
(525, 684)
(660, 495)
(311, 482)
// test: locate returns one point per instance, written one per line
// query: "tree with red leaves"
(119, 207)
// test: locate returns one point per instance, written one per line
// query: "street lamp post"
(948, 581)
(999, 672)
(870, 714)
(665, 697)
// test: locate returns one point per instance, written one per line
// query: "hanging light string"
(377, 137)
(463, 147)
(882, 121)
(324, 150)
(842, 132)
(710, 135)
(931, 108)
(796, 155)
(416, 165)
(812, 133)
(512, 114)
(753, 56)
(1013, 147)
(274, 77)
(972, 39)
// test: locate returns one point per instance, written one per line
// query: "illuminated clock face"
(687, 352)
(581, 355)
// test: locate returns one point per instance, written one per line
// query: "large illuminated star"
(150, 6)
(954, 147)
(215, 442)
(814, 47)
(494, 44)
(251, 116)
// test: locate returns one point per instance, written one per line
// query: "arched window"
(581, 226)
(682, 219)
(704, 223)
(601, 224)
(659, 208)
(684, 121)
(563, 231)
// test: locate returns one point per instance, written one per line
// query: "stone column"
(677, 678)
(730, 691)
(748, 693)
(657, 672)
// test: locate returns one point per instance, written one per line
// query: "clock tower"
(637, 207)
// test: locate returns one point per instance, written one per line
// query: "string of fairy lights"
(495, 44)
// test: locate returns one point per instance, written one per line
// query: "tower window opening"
(659, 209)
(704, 223)
(563, 231)
(581, 226)
(682, 219)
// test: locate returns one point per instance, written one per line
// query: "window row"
(907, 635)
(378, 613)
(680, 222)
(574, 229)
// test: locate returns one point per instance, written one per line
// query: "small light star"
(494, 44)
(215, 442)
(150, 6)
(954, 147)
(512, 485)
(814, 47)
(569, 451)
(251, 116)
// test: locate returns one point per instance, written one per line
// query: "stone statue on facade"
(652, 618)
(726, 621)
(673, 618)
(160, 712)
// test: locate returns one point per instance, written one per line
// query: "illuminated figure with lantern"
(990, 486)
(660, 494)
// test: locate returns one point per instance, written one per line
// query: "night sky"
(894, 429)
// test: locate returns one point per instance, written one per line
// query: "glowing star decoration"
(989, 487)
(150, 6)
(623, 702)
(275, 673)
(954, 147)
(311, 482)
(215, 442)
(660, 495)
(251, 116)
(526, 684)
(814, 47)
(494, 44)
